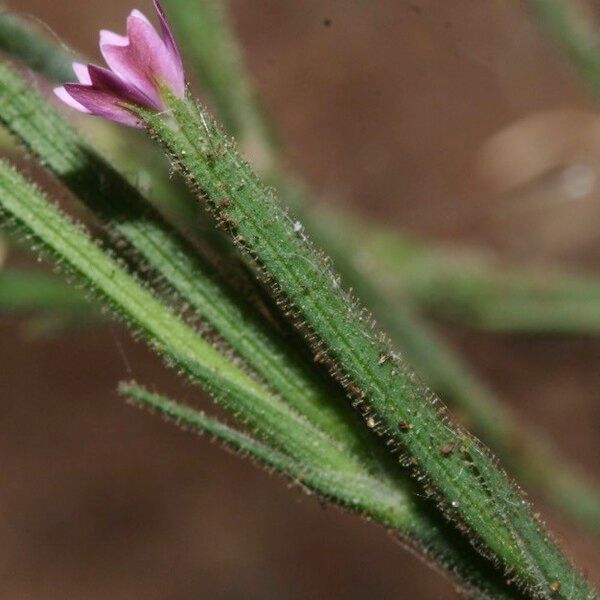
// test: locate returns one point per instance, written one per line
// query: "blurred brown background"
(400, 110)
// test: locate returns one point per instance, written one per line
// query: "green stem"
(132, 223)
(212, 49)
(527, 453)
(23, 40)
(577, 38)
(461, 473)
(27, 291)
(329, 470)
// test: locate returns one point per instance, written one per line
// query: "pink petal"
(101, 103)
(81, 72)
(126, 62)
(171, 45)
(62, 93)
(146, 60)
(138, 14)
(112, 38)
(152, 51)
(104, 80)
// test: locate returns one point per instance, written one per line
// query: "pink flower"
(141, 64)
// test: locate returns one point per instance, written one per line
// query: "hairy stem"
(528, 454)
(130, 220)
(289, 441)
(213, 51)
(460, 472)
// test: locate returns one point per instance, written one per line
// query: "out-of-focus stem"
(470, 289)
(575, 36)
(24, 40)
(24, 290)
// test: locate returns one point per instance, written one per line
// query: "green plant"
(246, 343)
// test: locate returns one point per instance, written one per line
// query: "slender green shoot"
(143, 234)
(574, 35)
(460, 473)
(48, 306)
(423, 523)
(216, 59)
(287, 438)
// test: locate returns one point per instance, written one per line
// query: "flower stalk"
(465, 481)
(517, 302)
(135, 228)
